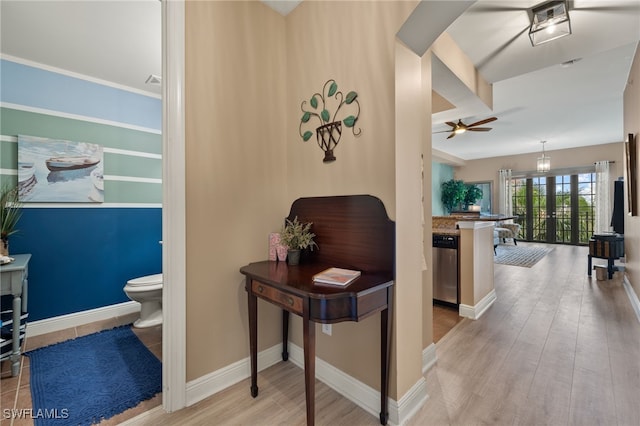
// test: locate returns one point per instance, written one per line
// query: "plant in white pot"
(9, 215)
(296, 236)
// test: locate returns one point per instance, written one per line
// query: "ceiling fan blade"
(479, 129)
(442, 131)
(451, 135)
(449, 123)
(486, 120)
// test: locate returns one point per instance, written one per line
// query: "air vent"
(569, 63)
(154, 79)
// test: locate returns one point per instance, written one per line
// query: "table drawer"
(286, 300)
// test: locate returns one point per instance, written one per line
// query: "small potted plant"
(9, 215)
(296, 236)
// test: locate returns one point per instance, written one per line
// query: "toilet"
(147, 291)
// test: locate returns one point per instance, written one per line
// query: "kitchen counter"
(475, 218)
(445, 231)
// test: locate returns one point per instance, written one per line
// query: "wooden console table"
(352, 232)
(13, 281)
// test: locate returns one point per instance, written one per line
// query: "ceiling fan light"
(549, 21)
(459, 130)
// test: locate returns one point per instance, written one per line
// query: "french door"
(555, 209)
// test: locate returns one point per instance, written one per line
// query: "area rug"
(520, 255)
(94, 377)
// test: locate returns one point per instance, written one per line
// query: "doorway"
(557, 209)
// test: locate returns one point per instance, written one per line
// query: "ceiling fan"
(460, 127)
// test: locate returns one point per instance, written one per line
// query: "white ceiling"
(115, 41)
(534, 97)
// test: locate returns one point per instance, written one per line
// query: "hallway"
(556, 348)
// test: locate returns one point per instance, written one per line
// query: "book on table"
(336, 276)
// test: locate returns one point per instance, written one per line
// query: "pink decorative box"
(274, 242)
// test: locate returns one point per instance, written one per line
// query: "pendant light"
(544, 162)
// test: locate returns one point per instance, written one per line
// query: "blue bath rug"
(94, 377)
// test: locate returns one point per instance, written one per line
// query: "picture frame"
(631, 154)
(59, 171)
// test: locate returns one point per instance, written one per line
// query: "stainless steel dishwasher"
(445, 269)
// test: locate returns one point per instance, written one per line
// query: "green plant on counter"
(453, 193)
(473, 194)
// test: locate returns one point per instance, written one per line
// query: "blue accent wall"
(439, 173)
(83, 257)
(84, 253)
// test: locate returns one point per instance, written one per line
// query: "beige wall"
(632, 125)
(236, 171)
(486, 169)
(352, 43)
(476, 262)
(427, 200)
(247, 70)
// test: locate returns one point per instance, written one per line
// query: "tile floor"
(15, 392)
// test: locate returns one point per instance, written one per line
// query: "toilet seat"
(148, 280)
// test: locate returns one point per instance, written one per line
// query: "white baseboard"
(475, 312)
(361, 394)
(429, 357)
(633, 297)
(48, 325)
(212, 383)
(410, 403)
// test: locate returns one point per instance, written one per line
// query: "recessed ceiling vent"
(154, 79)
(567, 64)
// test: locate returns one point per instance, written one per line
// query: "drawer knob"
(290, 301)
(260, 289)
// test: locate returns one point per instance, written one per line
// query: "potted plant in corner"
(296, 236)
(9, 215)
(453, 193)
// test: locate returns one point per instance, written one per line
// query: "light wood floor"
(444, 319)
(556, 348)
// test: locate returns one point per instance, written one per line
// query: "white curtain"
(505, 198)
(602, 198)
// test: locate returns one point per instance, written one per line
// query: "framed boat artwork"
(59, 171)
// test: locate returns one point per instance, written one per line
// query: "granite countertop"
(445, 231)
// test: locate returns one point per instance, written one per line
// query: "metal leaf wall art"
(319, 110)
